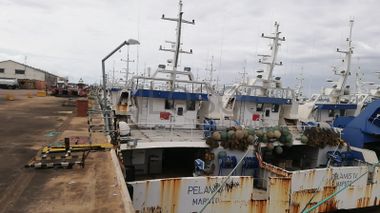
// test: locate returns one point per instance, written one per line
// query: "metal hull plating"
(283, 194)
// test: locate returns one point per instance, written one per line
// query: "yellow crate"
(41, 93)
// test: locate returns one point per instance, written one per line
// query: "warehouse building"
(27, 76)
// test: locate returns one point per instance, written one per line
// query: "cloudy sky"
(70, 38)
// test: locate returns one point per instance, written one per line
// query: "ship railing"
(252, 90)
(221, 125)
(142, 82)
(326, 99)
(190, 130)
(261, 123)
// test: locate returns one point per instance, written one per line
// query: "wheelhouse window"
(169, 104)
(1, 70)
(180, 111)
(20, 72)
(259, 107)
(331, 113)
(190, 105)
(267, 113)
(275, 108)
(342, 112)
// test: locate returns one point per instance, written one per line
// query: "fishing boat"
(245, 155)
(262, 101)
(338, 100)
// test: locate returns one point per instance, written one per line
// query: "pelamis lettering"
(201, 190)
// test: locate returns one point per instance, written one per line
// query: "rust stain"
(330, 205)
(279, 194)
(307, 191)
(170, 193)
(330, 181)
(147, 189)
(162, 187)
(295, 207)
(176, 195)
(259, 206)
(365, 201)
(274, 169)
(153, 209)
(301, 198)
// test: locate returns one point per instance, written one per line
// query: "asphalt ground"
(26, 125)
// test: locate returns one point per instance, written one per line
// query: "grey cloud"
(72, 37)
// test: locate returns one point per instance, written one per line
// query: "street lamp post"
(105, 107)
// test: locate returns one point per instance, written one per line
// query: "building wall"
(30, 73)
(51, 80)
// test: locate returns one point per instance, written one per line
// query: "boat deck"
(161, 138)
(167, 135)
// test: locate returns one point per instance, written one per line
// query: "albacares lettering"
(348, 175)
(343, 179)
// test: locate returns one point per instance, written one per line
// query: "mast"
(113, 74)
(177, 44)
(299, 87)
(244, 73)
(359, 79)
(270, 60)
(348, 54)
(211, 70)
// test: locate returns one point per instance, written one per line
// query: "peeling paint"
(258, 206)
(191, 194)
(289, 193)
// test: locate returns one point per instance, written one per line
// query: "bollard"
(67, 144)
(9, 97)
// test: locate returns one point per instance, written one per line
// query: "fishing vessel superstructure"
(261, 101)
(338, 100)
